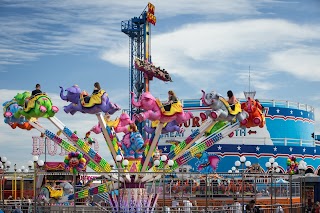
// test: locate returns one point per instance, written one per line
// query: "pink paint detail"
(257, 120)
(55, 109)
(214, 115)
(43, 109)
(203, 116)
(244, 122)
(231, 134)
(153, 111)
(7, 114)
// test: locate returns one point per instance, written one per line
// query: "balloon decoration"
(292, 165)
(74, 162)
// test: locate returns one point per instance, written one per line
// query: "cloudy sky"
(204, 44)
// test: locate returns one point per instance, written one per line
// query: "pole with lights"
(302, 170)
(272, 168)
(121, 162)
(243, 164)
(232, 171)
(157, 164)
(5, 166)
(35, 163)
(21, 172)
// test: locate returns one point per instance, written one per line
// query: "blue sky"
(205, 44)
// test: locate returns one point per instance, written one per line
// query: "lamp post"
(232, 171)
(302, 170)
(272, 167)
(23, 170)
(120, 162)
(243, 164)
(36, 163)
(157, 164)
(5, 165)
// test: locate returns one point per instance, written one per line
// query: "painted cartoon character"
(207, 163)
(172, 126)
(119, 125)
(36, 106)
(254, 109)
(132, 145)
(221, 109)
(9, 109)
(154, 110)
(98, 102)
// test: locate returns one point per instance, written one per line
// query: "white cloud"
(302, 63)
(73, 26)
(210, 49)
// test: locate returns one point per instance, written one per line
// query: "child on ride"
(172, 98)
(232, 99)
(96, 89)
(37, 90)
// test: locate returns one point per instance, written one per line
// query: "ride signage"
(151, 18)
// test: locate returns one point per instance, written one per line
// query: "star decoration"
(290, 149)
(301, 113)
(219, 147)
(291, 112)
(257, 148)
(239, 148)
(165, 148)
(278, 110)
(304, 149)
(314, 150)
(275, 149)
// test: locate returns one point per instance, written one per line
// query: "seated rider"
(172, 98)
(37, 90)
(232, 99)
(34, 92)
(96, 89)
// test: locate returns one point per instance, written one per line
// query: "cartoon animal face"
(211, 97)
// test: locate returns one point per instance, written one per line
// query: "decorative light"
(242, 159)
(118, 158)
(18, 170)
(275, 164)
(40, 163)
(3, 159)
(237, 171)
(300, 167)
(230, 171)
(125, 163)
(30, 164)
(156, 163)
(1, 166)
(35, 158)
(164, 158)
(170, 163)
(237, 163)
(271, 160)
(278, 170)
(111, 163)
(268, 164)
(26, 171)
(248, 163)
(233, 168)
(22, 168)
(8, 164)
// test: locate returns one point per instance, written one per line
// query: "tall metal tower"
(139, 31)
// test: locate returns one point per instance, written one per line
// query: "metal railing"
(211, 193)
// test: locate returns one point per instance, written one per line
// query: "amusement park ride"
(139, 152)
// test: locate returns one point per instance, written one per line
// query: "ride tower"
(139, 31)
